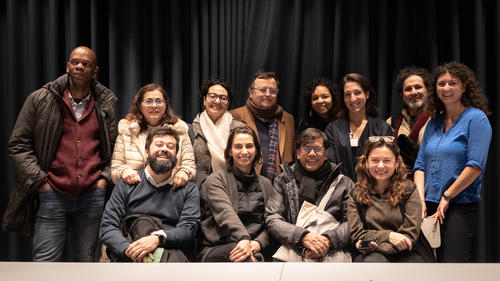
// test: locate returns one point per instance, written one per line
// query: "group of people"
(232, 186)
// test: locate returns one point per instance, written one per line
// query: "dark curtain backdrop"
(179, 44)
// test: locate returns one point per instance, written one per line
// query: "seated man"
(179, 210)
(309, 180)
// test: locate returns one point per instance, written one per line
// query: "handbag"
(432, 232)
(315, 219)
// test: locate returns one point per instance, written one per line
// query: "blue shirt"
(443, 156)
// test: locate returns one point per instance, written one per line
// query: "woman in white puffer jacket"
(149, 109)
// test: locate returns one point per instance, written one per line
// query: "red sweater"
(75, 168)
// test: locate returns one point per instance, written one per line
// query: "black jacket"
(339, 144)
(283, 207)
(34, 142)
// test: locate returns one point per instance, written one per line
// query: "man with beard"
(178, 210)
(411, 83)
(274, 126)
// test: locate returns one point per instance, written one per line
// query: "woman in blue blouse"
(452, 158)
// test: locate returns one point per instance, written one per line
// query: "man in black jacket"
(61, 148)
(309, 180)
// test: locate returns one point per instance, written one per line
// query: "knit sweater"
(179, 211)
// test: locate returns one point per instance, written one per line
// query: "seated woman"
(150, 108)
(319, 110)
(384, 210)
(233, 228)
(211, 127)
(357, 120)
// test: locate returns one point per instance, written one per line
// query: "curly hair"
(241, 130)
(216, 81)
(397, 189)
(408, 71)
(473, 95)
(311, 87)
(135, 113)
(371, 102)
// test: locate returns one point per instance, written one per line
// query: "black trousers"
(457, 231)
(404, 256)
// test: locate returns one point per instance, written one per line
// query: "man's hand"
(317, 244)
(44, 187)
(242, 251)
(130, 176)
(138, 250)
(180, 179)
(400, 241)
(101, 183)
(255, 246)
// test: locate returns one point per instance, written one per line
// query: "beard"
(162, 166)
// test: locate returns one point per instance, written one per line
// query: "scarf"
(216, 136)
(311, 182)
(264, 114)
(419, 123)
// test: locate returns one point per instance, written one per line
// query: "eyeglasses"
(214, 97)
(151, 102)
(381, 138)
(308, 149)
(263, 91)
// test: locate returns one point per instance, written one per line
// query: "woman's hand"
(373, 247)
(241, 252)
(130, 176)
(255, 246)
(441, 211)
(424, 209)
(400, 241)
(180, 179)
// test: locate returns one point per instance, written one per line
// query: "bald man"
(61, 148)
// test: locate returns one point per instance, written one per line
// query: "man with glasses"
(61, 148)
(309, 179)
(274, 126)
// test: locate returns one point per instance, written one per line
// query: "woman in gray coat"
(234, 200)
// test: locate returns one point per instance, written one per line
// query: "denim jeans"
(62, 219)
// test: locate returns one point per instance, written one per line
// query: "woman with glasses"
(384, 208)
(319, 98)
(150, 108)
(211, 127)
(357, 121)
(452, 158)
(234, 199)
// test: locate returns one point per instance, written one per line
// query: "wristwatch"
(446, 196)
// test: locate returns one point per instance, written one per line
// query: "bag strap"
(328, 194)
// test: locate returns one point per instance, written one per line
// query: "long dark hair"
(134, 113)
(311, 87)
(371, 101)
(232, 134)
(473, 95)
(366, 182)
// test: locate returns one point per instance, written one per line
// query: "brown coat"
(286, 135)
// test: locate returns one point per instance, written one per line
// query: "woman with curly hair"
(452, 158)
(319, 99)
(150, 108)
(384, 208)
(211, 127)
(356, 121)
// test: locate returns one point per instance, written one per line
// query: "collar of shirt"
(152, 181)
(78, 108)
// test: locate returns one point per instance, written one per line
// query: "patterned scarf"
(272, 131)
